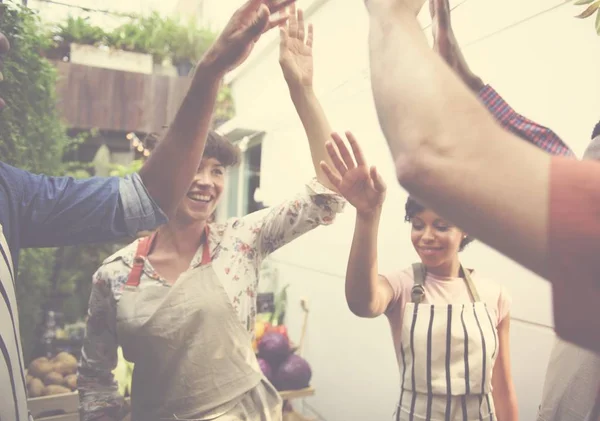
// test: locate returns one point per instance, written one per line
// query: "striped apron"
(448, 353)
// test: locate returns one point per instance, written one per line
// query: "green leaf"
(581, 2)
(589, 11)
(598, 23)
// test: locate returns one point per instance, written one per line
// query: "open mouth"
(200, 197)
(428, 250)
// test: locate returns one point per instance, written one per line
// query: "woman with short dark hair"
(182, 302)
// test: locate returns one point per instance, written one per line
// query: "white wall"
(543, 61)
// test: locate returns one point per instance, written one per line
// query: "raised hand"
(445, 44)
(295, 52)
(248, 23)
(361, 185)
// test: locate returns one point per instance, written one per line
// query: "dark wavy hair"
(413, 208)
(217, 146)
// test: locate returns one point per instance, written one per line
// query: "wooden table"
(289, 395)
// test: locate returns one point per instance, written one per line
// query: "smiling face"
(436, 240)
(4, 48)
(204, 194)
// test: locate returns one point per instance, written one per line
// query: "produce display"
(277, 360)
(56, 376)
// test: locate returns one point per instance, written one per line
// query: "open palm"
(360, 185)
(295, 50)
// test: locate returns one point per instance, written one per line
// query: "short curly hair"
(217, 146)
(413, 208)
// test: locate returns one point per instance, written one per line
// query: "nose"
(428, 234)
(203, 178)
(4, 44)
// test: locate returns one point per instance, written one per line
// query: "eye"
(417, 226)
(218, 171)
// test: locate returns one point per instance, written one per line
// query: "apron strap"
(420, 273)
(143, 249)
(206, 258)
(138, 262)
(418, 291)
(470, 285)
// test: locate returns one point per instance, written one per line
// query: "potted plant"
(187, 45)
(77, 31)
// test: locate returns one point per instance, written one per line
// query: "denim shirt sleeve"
(141, 213)
(60, 211)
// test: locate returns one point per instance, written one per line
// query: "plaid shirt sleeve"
(540, 136)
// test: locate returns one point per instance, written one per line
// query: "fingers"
(378, 182)
(259, 23)
(331, 175)
(336, 159)
(293, 22)
(301, 30)
(442, 13)
(310, 36)
(344, 152)
(356, 150)
(283, 36)
(275, 21)
(251, 5)
(276, 6)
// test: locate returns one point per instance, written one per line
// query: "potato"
(35, 388)
(28, 379)
(66, 357)
(65, 364)
(71, 381)
(64, 368)
(54, 389)
(40, 367)
(53, 378)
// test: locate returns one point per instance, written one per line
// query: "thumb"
(259, 23)
(378, 182)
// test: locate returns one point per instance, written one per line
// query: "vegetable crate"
(63, 407)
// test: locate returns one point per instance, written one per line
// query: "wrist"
(370, 216)
(299, 91)
(209, 67)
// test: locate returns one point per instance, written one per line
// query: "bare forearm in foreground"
(449, 151)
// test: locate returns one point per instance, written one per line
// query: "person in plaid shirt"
(447, 47)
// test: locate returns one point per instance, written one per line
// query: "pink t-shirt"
(443, 290)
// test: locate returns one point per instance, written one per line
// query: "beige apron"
(448, 354)
(193, 358)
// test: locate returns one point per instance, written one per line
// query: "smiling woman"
(181, 299)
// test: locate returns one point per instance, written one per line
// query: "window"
(244, 180)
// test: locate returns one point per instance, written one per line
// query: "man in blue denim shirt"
(42, 211)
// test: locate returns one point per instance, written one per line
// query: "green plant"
(33, 138)
(79, 30)
(188, 43)
(593, 7)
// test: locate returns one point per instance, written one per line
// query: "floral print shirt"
(237, 248)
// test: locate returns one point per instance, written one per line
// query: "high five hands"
(361, 185)
(244, 29)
